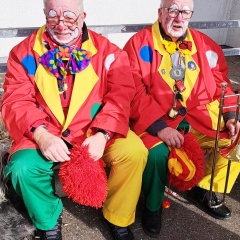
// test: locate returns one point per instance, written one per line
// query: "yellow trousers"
(207, 144)
(127, 158)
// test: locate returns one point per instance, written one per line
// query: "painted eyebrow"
(174, 6)
(52, 13)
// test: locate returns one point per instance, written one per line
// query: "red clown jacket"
(100, 97)
(206, 69)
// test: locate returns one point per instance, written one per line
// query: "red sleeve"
(145, 110)
(114, 116)
(20, 109)
(34, 126)
(220, 73)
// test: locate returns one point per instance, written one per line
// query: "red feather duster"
(83, 179)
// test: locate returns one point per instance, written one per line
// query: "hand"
(233, 128)
(96, 145)
(52, 147)
(171, 137)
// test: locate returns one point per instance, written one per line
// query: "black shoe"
(119, 233)
(151, 222)
(200, 197)
(53, 234)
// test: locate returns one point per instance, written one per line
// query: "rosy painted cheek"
(166, 20)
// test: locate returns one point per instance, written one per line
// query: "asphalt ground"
(182, 221)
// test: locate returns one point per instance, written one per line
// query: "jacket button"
(66, 133)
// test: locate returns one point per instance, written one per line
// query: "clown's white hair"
(80, 2)
(162, 3)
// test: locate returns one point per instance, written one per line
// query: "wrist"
(105, 134)
(37, 133)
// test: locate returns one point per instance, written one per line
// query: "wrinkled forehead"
(179, 4)
(69, 8)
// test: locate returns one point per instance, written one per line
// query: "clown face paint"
(64, 21)
(174, 27)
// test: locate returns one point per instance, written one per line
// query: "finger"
(231, 130)
(172, 142)
(65, 148)
(56, 157)
(178, 142)
(180, 138)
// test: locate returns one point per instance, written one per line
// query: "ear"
(159, 14)
(84, 15)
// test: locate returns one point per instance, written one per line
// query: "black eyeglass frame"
(179, 11)
(64, 21)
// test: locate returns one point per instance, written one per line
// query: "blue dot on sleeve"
(29, 63)
(146, 54)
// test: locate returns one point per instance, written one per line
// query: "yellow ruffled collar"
(172, 47)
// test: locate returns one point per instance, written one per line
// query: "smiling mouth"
(177, 26)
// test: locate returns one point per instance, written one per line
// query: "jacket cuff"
(157, 126)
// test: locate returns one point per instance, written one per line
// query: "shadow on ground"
(182, 221)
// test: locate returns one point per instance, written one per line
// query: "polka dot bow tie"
(76, 61)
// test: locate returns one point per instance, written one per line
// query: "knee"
(137, 151)
(18, 169)
(158, 155)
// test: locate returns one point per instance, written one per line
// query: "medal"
(177, 73)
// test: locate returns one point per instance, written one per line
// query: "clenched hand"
(233, 128)
(52, 147)
(171, 137)
(96, 145)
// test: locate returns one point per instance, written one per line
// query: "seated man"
(66, 85)
(178, 74)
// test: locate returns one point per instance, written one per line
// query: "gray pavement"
(182, 221)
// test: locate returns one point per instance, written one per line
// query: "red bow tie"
(186, 45)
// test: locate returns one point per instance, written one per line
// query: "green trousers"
(155, 176)
(155, 172)
(33, 179)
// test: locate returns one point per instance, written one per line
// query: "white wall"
(29, 13)
(233, 37)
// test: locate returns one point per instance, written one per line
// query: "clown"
(178, 74)
(67, 85)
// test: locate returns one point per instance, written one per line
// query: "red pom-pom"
(83, 179)
(166, 204)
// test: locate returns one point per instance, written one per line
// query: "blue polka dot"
(146, 54)
(29, 64)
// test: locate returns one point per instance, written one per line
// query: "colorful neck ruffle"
(76, 61)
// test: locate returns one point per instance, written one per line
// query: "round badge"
(192, 66)
(177, 73)
(182, 111)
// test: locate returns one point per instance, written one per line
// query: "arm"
(114, 115)
(20, 111)
(119, 92)
(220, 74)
(144, 109)
(19, 106)
(146, 113)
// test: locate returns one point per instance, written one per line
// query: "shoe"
(119, 233)
(152, 222)
(53, 234)
(200, 197)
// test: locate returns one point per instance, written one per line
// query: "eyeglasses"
(173, 13)
(68, 22)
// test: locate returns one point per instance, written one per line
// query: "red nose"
(60, 28)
